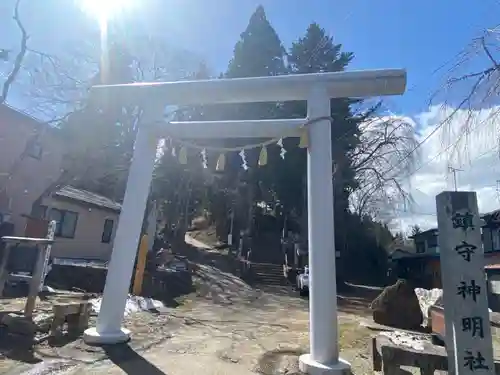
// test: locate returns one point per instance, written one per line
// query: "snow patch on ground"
(426, 299)
(407, 339)
(134, 304)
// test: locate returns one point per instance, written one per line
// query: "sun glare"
(104, 10)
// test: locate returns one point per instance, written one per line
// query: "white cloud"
(475, 154)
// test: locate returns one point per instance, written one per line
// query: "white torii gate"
(317, 89)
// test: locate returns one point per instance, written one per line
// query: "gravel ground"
(226, 326)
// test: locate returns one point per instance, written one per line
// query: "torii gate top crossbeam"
(259, 89)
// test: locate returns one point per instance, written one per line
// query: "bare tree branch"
(477, 92)
(381, 163)
(488, 53)
(11, 77)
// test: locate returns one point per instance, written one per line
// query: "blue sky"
(417, 35)
(420, 36)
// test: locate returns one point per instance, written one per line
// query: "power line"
(382, 181)
(454, 171)
(445, 149)
(416, 213)
(317, 49)
(498, 191)
(439, 125)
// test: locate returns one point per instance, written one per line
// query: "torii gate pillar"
(323, 330)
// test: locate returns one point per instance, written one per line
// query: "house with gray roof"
(86, 223)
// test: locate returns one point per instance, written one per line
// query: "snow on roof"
(88, 197)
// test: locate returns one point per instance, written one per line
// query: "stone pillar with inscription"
(468, 331)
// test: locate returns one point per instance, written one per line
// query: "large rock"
(19, 324)
(397, 306)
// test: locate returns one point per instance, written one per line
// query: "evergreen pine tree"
(315, 52)
(258, 53)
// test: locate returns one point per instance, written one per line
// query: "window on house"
(107, 231)
(495, 239)
(420, 247)
(66, 222)
(486, 239)
(432, 241)
(34, 149)
(483, 236)
(39, 211)
(43, 211)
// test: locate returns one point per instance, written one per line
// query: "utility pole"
(454, 171)
(498, 191)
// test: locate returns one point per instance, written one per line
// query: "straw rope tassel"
(221, 163)
(263, 156)
(183, 156)
(304, 138)
(204, 160)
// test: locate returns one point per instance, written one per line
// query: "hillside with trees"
(366, 149)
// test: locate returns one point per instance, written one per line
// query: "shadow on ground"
(129, 361)
(216, 275)
(16, 348)
(356, 299)
(211, 257)
(219, 279)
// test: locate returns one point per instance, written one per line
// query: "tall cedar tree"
(259, 52)
(315, 52)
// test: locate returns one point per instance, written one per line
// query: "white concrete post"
(46, 267)
(230, 235)
(108, 329)
(324, 351)
(468, 332)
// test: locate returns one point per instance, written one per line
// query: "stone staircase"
(268, 274)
